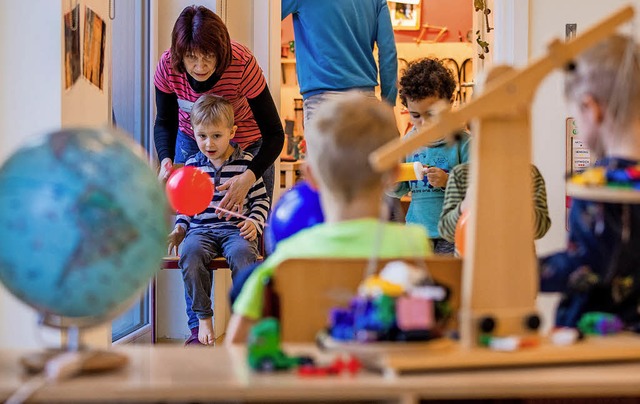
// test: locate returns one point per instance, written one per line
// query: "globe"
(83, 223)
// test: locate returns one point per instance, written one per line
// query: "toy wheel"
(487, 324)
(306, 361)
(532, 322)
(267, 365)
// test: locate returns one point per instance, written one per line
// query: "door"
(130, 111)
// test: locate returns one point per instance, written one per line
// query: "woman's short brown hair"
(200, 30)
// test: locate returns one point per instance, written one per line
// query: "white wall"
(33, 102)
(29, 105)
(168, 12)
(239, 20)
(29, 93)
(547, 19)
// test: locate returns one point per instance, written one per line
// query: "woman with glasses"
(204, 60)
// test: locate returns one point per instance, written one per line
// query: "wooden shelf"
(603, 194)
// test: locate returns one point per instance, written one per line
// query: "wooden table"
(171, 374)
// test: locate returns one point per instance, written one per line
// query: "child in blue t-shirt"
(600, 270)
(424, 86)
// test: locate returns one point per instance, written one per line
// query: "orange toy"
(460, 232)
(410, 172)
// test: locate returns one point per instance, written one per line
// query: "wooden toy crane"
(500, 275)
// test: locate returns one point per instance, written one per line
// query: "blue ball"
(297, 209)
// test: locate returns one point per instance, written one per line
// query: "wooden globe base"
(93, 361)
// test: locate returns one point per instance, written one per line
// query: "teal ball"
(83, 222)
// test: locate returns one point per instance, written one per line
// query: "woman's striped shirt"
(243, 79)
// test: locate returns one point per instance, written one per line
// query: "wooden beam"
(514, 92)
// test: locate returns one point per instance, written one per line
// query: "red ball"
(460, 234)
(189, 190)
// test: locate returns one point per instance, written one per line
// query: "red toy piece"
(338, 366)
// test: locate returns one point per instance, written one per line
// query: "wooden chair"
(307, 289)
(221, 275)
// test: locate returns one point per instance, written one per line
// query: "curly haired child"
(424, 86)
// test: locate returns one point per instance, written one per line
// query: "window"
(130, 112)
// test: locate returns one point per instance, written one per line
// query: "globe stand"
(73, 358)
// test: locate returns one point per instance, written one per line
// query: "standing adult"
(204, 60)
(334, 45)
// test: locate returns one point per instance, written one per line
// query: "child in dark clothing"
(600, 270)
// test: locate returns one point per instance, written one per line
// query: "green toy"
(263, 348)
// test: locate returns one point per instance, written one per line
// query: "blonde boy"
(340, 138)
(205, 235)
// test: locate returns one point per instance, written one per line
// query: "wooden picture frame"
(405, 14)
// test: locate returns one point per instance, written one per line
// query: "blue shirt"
(426, 200)
(334, 42)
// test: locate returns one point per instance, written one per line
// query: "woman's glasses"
(196, 57)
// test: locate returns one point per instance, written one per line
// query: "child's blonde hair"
(340, 138)
(211, 109)
(610, 73)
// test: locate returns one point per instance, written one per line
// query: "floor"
(219, 341)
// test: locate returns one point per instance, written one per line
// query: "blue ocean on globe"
(83, 222)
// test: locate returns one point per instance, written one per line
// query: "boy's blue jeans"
(187, 147)
(199, 247)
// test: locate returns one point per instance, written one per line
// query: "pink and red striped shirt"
(243, 79)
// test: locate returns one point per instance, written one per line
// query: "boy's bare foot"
(205, 331)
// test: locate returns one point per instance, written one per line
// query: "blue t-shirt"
(334, 42)
(427, 200)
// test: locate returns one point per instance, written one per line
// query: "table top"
(174, 373)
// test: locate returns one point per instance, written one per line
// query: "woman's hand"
(237, 188)
(175, 238)
(166, 168)
(437, 177)
(248, 230)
